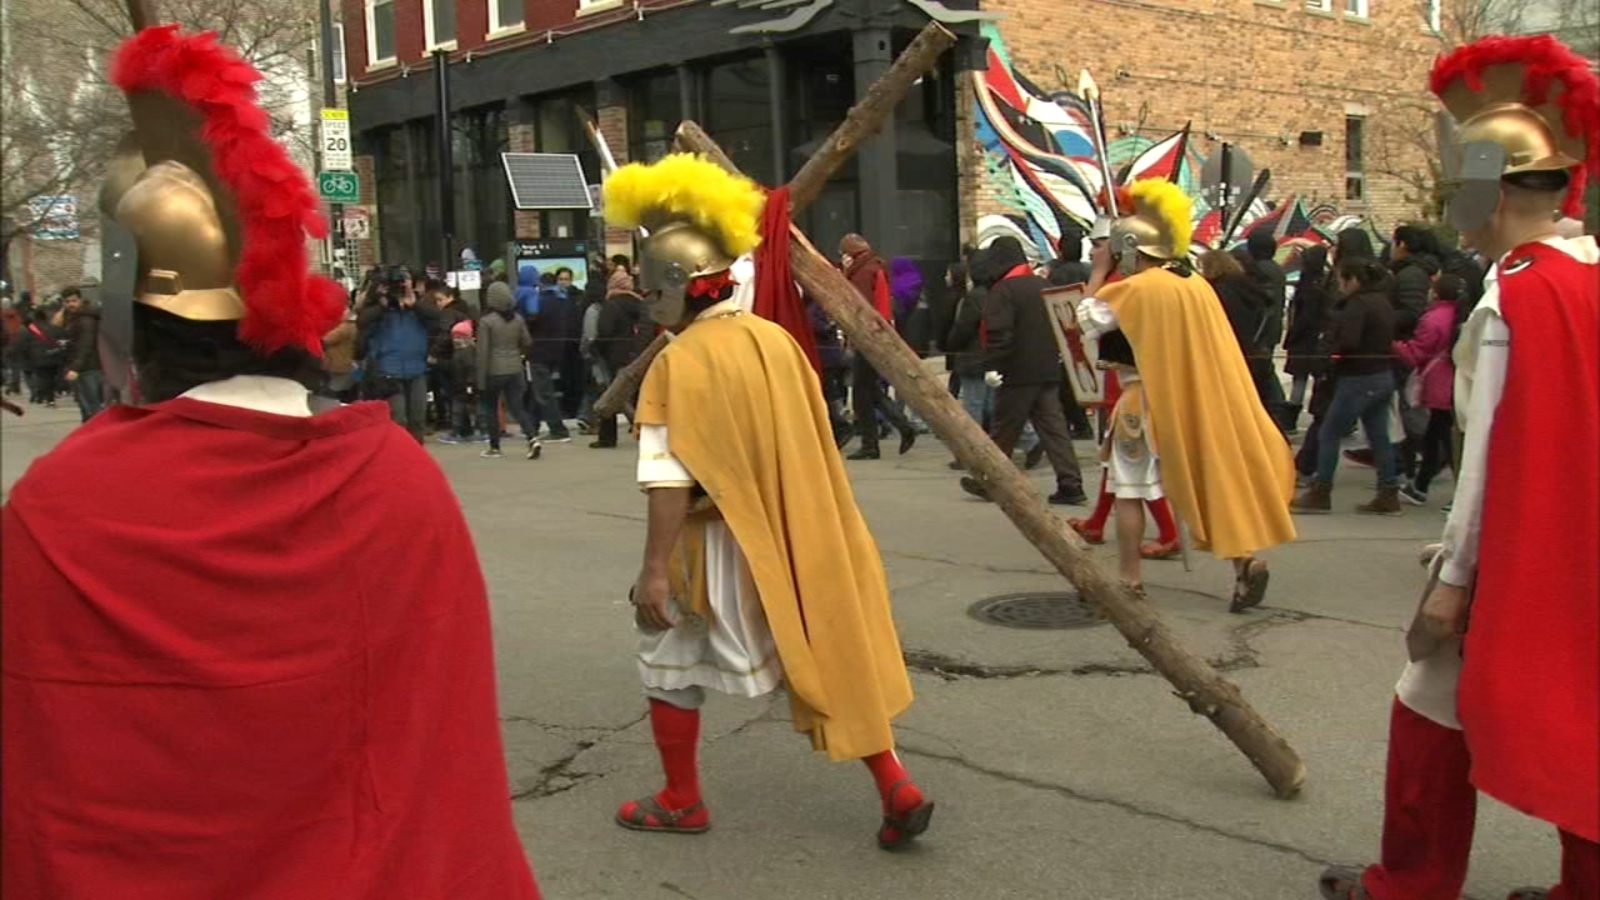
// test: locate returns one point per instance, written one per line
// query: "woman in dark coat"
(1307, 310)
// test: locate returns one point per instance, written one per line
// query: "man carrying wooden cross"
(758, 567)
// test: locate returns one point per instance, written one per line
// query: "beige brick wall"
(1253, 72)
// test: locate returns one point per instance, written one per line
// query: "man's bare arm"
(669, 507)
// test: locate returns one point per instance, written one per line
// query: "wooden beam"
(863, 121)
(1198, 684)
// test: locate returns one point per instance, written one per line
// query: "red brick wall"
(613, 121)
(1251, 70)
(525, 223)
(408, 34)
(354, 16)
(472, 23)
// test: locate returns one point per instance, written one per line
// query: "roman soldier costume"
(1512, 706)
(772, 575)
(1230, 478)
(247, 647)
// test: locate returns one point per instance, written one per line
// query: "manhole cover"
(1036, 611)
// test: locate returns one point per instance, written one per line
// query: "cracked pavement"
(1062, 766)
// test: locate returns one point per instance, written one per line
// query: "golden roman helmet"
(1512, 105)
(1157, 223)
(698, 219)
(219, 212)
(161, 188)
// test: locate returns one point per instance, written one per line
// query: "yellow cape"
(745, 415)
(1224, 463)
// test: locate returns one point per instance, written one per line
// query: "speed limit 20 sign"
(336, 154)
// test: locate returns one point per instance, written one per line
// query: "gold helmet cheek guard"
(675, 254)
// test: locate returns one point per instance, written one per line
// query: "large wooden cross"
(1197, 683)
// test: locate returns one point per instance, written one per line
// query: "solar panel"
(546, 181)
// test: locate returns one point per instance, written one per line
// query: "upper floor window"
(1320, 5)
(1435, 15)
(439, 21)
(1357, 8)
(1355, 166)
(380, 31)
(504, 14)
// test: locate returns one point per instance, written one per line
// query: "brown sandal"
(638, 818)
(900, 829)
(1342, 883)
(1251, 587)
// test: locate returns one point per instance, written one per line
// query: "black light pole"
(330, 99)
(447, 181)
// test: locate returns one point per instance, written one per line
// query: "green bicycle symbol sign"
(339, 187)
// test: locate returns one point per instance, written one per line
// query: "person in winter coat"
(452, 312)
(1414, 262)
(1023, 363)
(1307, 311)
(1361, 335)
(1261, 265)
(42, 353)
(82, 325)
(339, 358)
(396, 329)
(835, 370)
(503, 340)
(1427, 355)
(548, 312)
(1249, 309)
(10, 342)
(963, 350)
(865, 270)
(622, 331)
(913, 315)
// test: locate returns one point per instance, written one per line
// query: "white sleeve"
(1095, 317)
(658, 468)
(1488, 382)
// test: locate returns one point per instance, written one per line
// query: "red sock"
(1102, 507)
(1166, 526)
(888, 772)
(677, 733)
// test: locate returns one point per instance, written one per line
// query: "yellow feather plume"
(688, 186)
(1167, 202)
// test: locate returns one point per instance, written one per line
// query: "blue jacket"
(527, 292)
(397, 346)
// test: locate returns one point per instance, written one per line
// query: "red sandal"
(1089, 535)
(900, 829)
(649, 815)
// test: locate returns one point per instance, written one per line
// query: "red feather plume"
(285, 305)
(1545, 62)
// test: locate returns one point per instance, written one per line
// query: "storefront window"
(739, 115)
(654, 111)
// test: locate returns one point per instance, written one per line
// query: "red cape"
(1530, 681)
(777, 297)
(248, 656)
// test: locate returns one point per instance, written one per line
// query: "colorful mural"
(1038, 151)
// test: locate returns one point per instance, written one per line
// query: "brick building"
(1326, 93)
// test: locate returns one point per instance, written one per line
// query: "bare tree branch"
(63, 118)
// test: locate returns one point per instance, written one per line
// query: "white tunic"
(1428, 686)
(1133, 470)
(734, 652)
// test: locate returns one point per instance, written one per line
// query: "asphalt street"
(1062, 766)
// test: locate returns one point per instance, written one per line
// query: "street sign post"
(339, 187)
(336, 155)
